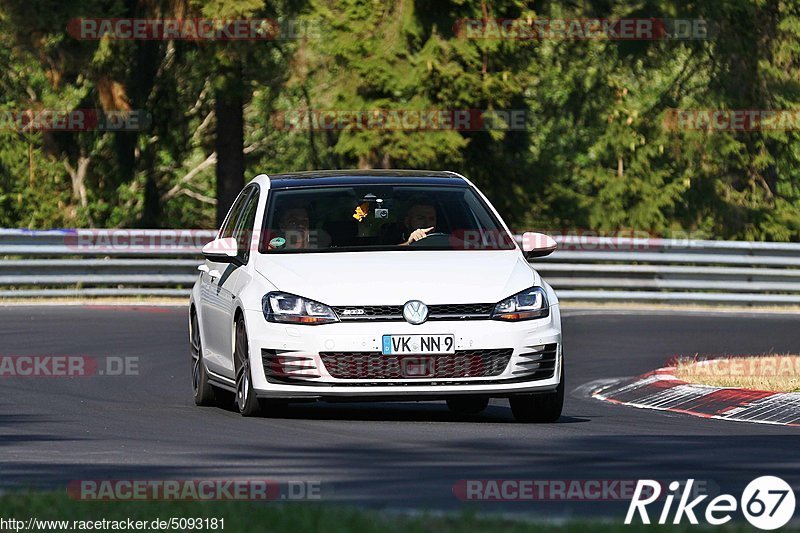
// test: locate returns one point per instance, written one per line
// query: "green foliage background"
(597, 153)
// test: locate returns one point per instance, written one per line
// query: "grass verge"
(778, 373)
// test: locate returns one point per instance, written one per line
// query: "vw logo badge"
(415, 312)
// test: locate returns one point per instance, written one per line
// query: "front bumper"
(528, 340)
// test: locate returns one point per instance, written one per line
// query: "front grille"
(375, 365)
(466, 310)
(369, 312)
(395, 312)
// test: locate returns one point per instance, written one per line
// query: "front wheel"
(245, 395)
(539, 407)
(202, 390)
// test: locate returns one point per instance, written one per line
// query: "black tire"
(245, 395)
(467, 405)
(202, 390)
(539, 408)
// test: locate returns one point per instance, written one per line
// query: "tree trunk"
(229, 145)
(142, 84)
(151, 211)
(78, 176)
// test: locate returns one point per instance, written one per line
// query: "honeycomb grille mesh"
(374, 365)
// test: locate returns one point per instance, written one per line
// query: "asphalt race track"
(394, 455)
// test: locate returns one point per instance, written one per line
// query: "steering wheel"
(437, 239)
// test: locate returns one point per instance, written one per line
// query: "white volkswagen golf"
(374, 285)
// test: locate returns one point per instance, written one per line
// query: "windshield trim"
(383, 248)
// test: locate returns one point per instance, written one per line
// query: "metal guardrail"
(68, 263)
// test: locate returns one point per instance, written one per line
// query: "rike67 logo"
(767, 502)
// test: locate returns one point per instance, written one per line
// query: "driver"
(422, 216)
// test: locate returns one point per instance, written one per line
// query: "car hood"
(394, 277)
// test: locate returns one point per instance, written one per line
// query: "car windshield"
(379, 217)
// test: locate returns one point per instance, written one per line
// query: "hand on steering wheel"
(418, 234)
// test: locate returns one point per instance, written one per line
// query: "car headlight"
(289, 308)
(526, 305)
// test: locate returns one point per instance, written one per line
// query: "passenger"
(293, 224)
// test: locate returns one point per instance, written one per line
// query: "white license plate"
(418, 344)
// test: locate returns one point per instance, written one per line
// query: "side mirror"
(222, 251)
(538, 244)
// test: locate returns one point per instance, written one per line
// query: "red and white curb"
(662, 391)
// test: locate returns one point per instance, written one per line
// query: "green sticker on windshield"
(277, 242)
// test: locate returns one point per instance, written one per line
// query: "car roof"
(317, 178)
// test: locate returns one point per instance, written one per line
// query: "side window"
(244, 228)
(233, 215)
